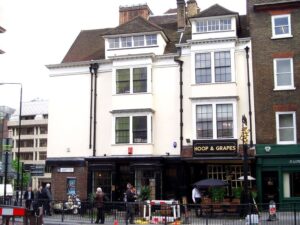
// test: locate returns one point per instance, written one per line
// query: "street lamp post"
(244, 136)
(19, 128)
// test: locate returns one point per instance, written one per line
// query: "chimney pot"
(127, 13)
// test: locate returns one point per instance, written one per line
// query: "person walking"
(47, 198)
(130, 198)
(196, 196)
(28, 197)
(99, 204)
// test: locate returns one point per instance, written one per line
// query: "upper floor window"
(220, 67)
(212, 25)
(131, 129)
(133, 80)
(214, 121)
(123, 81)
(138, 40)
(151, 39)
(283, 73)
(114, 42)
(281, 26)
(286, 127)
(126, 42)
(133, 41)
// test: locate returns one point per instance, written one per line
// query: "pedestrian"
(130, 198)
(196, 196)
(47, 198)
(28, 197)
(99, 204)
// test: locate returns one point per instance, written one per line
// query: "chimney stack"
(127, 13)
(192, 8)
(181, 21)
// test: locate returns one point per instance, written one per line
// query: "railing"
(286, 214)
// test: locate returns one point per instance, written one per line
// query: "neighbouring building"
(2, 30)
(32, 143)
(5, 113)
(275, 35)
(157, 100)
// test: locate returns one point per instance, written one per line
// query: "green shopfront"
(278, 173)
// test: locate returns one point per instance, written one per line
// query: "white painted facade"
(69, 107)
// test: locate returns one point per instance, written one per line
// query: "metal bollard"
(272, 211)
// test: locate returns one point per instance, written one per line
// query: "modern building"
(275, 35)
(33, 139)
(157, 100)
(5, 113)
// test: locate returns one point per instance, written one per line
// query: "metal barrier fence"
(211, 214)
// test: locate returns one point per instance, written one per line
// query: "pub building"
(218, 159)
(160, 103)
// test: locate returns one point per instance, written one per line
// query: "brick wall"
(59, 182)
(264, 49)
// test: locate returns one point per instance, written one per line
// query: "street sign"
(37, 170)
(6, 144)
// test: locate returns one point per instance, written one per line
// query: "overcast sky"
(40, 32)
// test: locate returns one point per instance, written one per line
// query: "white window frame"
(131, 115)
(149, 79)
(294, 127)
(213, 74)
(283, 87)
(114, 42)
(214, 102)
(148, 40)
(274, 35)
(214, 25)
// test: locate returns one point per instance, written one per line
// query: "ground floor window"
(102, 178)
(291, 183)
(148, 178)
(230, 174)
(71, 186)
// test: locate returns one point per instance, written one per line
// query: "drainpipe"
(95, 67)
(180, 62)
(249, 96)
(91, 107)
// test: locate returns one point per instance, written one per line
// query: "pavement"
(282, 219)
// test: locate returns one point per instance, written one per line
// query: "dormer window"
(138, 40)
(151, 39)
(114, 43)
(126, 42)
(211, 25)
(132, 41)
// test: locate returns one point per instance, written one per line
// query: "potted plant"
(217, 194)
(145, 193)
(237, 192)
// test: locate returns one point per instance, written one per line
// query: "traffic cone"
(116, 222)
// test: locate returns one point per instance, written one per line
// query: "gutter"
(180, 63)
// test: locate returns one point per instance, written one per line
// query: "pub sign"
(214, 147)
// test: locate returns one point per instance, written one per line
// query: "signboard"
(37, 170)
(214, 147)
(66, 170)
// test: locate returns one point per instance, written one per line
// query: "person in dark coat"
(99, 204)
(28, 197)
(47, 198)
(130, 199)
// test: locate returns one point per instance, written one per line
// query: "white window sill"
(284, 89)
(130, 144)
(136, 93)
(287, 143)
(282, 36)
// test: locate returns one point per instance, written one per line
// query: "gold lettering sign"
(214, 147)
